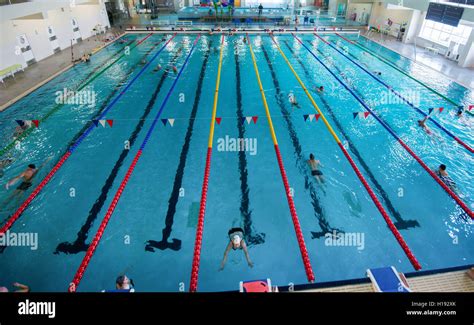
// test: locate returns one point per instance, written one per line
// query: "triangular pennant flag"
(243, 120)
(366, 114)
(110, 122)
(102, 122)
(164, 121)
(305, 117)
(35, 122)
(218, 120)
(441, 109)
(355, 114)
(255, 118)
(249, 119)
(171, 120)
(96, 122)
(317, 116)
(20, 122)
(430, 110)
(311, 117)
(470, 107)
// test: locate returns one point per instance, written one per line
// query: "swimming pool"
(151, 233)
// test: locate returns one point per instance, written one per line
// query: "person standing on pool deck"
(236, 236)
(260, 10)
(314, 165)
(27, 176)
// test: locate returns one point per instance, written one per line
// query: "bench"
(10, 71)
(184, 23)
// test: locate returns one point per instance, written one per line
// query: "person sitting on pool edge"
(236, 236)
(314, 165)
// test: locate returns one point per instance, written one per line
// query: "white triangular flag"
(171, 120)
(249, 119)
(102, 122)
(311, 117)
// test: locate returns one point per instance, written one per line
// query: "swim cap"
(236, 239)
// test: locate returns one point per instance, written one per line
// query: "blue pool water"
(151, 234)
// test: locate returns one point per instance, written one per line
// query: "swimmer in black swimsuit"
(236, 237)
(443, 174)
(26, 176)
(315, 164)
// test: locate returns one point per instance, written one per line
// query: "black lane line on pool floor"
(302, 165)
(98, 113)
(400, 223)
(178, 179)
(79, 244)
(253, 238)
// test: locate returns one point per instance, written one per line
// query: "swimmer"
(292, 100)
(314, 165)
(157, 68)
(22, 126)
(320, 89)
(236, 237)
(3, 164)
(26, 176)
(422, 124)
(175, 70)
(86, 58)
(244, 39)
(377, 73)
(460, 111)
(124, 283)
(443, 174)
(143, 62)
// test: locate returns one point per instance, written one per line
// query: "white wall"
(362, 11)
(87, 16)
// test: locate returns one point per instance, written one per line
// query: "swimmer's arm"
(246, 251)
(12, 181)
(225, 256)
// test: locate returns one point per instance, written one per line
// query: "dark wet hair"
(321, 87)
(120, 280)
(32, 166)
(442, 166)
(311, 156)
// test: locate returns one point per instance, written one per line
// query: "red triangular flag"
(110, 122)
(441, 109)
(470, 107)
(254, 118)
(218, 120)
(366, 114)
(35, 122)
(318, 116)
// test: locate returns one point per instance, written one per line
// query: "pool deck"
(42, 71)
(456, 281)
(436, 62)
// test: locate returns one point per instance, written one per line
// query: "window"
(443, 34)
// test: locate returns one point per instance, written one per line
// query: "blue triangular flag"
(243, 120)
(305, 117)
(20, 122)
(96, 122)
(355, 114)
(430, 110)
(164, 120)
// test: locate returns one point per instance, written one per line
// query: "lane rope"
(69, 152)
(465, 145)
(291, 204)
(95, 242)
(389, 129)
(364, 182)
(205, 182)
(30, 130)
